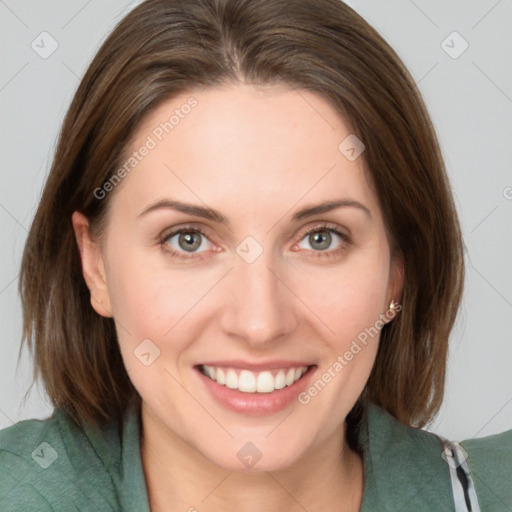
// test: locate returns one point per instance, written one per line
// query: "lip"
(256, 404)
(275, 364)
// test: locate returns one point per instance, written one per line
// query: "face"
(217, 261)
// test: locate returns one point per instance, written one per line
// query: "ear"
(396, 279)
(93, 268)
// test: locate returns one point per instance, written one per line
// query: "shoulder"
(490, 463)
(404, 466)
(410, 466)
(50, 465)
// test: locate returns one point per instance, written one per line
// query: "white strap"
(463, 488)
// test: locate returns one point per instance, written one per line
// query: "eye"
(185, 242)
(189, 242)
(321, 238)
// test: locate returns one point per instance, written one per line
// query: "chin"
(243, 455)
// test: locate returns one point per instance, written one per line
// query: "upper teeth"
(250, 382)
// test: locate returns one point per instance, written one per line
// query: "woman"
(242, 275)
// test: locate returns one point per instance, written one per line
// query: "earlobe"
(395, 286)
(93, 268)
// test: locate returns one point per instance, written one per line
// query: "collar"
(403, 466)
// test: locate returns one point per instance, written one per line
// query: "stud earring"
(392, 311)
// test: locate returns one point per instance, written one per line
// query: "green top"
(55, 465)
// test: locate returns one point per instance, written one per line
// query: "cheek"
(144, 305)
(152, 302)
(142, 296)
(134, 297)
(349, 298)
(349, 304)
(351, 310)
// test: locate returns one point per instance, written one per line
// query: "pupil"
(323, 238)
(190, 243)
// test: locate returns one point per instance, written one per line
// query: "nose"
(259, 308)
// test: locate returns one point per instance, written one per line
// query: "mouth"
(247, 381)
(255, 390)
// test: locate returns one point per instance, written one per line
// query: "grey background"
(470, 100)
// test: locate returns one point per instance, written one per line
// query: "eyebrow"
(213, 215)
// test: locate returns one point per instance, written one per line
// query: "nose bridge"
(258, 307)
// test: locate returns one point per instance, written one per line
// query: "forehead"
(245, 145)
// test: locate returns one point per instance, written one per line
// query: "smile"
(248, 381)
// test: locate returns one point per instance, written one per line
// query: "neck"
(179, 478)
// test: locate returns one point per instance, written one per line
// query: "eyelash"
(165, 237)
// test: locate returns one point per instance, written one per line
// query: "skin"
(257, 155)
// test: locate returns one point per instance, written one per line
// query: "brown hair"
(165, 47)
